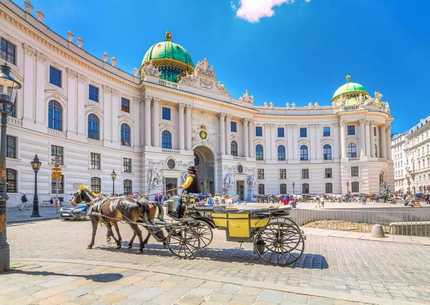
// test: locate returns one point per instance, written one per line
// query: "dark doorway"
(240, 189)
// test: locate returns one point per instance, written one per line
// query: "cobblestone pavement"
(332, 271)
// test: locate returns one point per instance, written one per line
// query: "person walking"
(23, 202)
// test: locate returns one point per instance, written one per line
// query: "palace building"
(172, 112)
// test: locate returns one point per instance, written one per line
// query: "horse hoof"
(141, 250)
(90, 247)
(118, 246)
(130, 246)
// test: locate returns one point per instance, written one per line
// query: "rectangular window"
(374, 131)
(283, 173)
(128, 186)
(11, 181)
(326, 131)
(93, 93)
(305, 173)
(11, 147)
(283, 188)
(55, 76)
(260, 173)
(329, 188)
(303, 132)
(96, 184)
(233, 126)
(261, 189)
(355, 187)
(281, 132)
(95, 160)
(127, 165)
(328, 173)
(354, 171)
(7, 51)
(125, 104)
(351, 130)
(57, 186)
(57, 153)
(258, 131)
(166, 113)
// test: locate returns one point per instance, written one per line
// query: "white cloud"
(254, 10)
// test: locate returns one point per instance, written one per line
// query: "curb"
(36, 219)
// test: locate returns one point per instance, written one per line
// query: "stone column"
(80, 107)
(41, 78)
(148, 121)
(29, 83)
(383, 147)
(188, 128)
(342, 140)
(156, 122)
(228, 132)
(372, 142)
(389, 155)
(72, 101)
(221, 117)
(290, 142)
(245, 136)
(181, 136)
(368, 134)
(362, 139)
(116, 106)
(107, 114)
(251, 133)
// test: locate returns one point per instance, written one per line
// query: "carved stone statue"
(151, 70)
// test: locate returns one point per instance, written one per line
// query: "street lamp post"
(113, 176)
(8, 90)
(35, 164)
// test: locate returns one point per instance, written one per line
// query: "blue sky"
(298, 54)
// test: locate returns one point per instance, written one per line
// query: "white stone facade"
(199, 105)
(411, 156)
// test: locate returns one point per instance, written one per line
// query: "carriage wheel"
(203, 232)
(183, 241)
(281, 242)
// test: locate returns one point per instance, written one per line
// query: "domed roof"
(349, 87)
(168, 52)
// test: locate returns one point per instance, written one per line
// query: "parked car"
(77, 212)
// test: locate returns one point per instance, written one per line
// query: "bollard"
(377, 231)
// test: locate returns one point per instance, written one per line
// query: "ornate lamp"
(8, 90)
(35, 165)
(113, 176)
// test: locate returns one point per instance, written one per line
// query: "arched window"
(11, 180)
(352, 150)
(304, 153)
(327, 155)
(281, 153)
(166, 139)
(233, 148)
(259, 152)
(55, 115)
(125, 135)
(93, 127)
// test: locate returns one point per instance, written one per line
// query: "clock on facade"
(203, 134)
(171, 164)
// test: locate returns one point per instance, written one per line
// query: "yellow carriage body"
(239, 225)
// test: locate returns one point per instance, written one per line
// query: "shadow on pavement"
(306, 261)
(100, 278)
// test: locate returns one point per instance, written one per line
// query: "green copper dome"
(348, 88)
(170, 58)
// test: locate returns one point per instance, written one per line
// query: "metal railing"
(402, 221)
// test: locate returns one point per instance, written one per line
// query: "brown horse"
(111, 210)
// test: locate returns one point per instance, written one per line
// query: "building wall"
(194, 108)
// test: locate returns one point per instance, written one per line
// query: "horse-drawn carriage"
(276, 238)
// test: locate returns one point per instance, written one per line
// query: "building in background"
(151, 125)
(411, 156)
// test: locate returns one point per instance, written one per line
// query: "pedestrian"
(23, 202)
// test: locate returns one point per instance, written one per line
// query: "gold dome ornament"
(203, 134)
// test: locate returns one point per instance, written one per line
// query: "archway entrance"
(204, 162)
